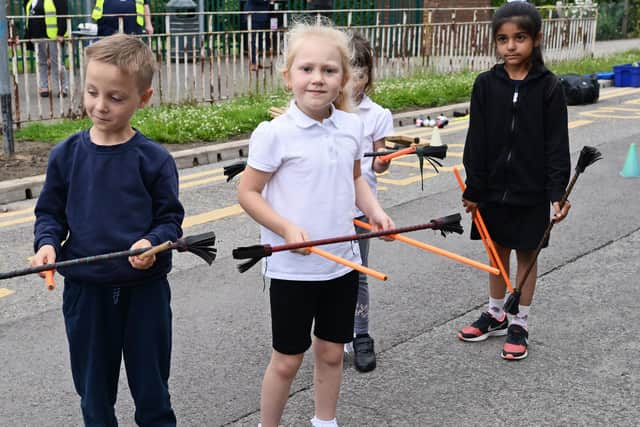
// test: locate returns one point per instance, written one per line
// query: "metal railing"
(210, 66)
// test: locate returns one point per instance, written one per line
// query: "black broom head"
(448, 224)
(200, 245)
(255, 251)
(437, 151)
(588, 156)
(512, 304)
(234, 169)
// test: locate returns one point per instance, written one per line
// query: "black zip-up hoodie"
(517, 146)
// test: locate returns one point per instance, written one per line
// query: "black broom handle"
(306, 244)
(565, 196)
(87, 260)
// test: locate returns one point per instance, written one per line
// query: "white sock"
(496, 308)
(316, 422)
(522, 318)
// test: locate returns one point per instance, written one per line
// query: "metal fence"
(212, 65)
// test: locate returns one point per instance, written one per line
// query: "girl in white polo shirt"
(302, 182)
(378, 123)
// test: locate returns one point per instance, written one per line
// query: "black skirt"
(514, 227)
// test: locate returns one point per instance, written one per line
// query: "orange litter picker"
(448, 224)
(435, 250)
(486, 238)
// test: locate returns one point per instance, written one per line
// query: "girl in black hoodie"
(517, 162)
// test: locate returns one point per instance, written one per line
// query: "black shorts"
(514, 227)
(296, 304)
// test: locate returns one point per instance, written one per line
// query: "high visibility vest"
(97, 11)
(50, 18)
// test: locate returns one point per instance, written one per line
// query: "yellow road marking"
(199, 175)
(620, 92)
(16, 213)
(23, 220)
(213, 215)
(202, 182)
(609, 112)
(577, 123)
(416, 178)
(5, 292)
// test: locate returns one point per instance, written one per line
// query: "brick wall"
(461, 15)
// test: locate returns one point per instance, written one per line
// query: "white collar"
(304, 121)
(366, 103)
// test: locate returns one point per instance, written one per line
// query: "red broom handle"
(434, 249)
(361, 268)
(484, 233)
(404, 151)
(339, 239)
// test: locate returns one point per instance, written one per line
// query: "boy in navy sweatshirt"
(108, 189)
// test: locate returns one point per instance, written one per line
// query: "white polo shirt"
(378, 123)
(312, 186)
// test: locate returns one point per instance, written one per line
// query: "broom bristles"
(255, 251)
(588, 156)
(512, 304)
(438, 151)
(234, 169)
(448, 224)
(247, 265)
(200, 245)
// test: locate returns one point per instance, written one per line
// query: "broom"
(448, 224)
(234, 169)
(588, 156)
(422, 151)
(200, 245)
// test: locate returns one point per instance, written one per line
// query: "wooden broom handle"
(157, 249)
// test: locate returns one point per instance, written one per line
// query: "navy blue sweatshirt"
(517, 146)
(99, 199)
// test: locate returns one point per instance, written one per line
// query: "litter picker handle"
(486, 238)
(49, 280)
(434, 249)
(403, 152)
(361, 268)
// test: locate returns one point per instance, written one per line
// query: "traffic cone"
(435, 137)
(631, 167)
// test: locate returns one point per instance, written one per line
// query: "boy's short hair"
(130, 54)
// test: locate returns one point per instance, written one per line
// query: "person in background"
(46, 21)
(257, 42)
(135, 14)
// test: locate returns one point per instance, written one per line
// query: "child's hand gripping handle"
(156, 249)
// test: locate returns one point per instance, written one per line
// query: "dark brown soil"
(31, 157)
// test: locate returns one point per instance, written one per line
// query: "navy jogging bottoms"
(105, 324)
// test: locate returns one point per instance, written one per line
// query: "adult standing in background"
(259, 23)
(321, 5)
(45, 20)
(136, 16)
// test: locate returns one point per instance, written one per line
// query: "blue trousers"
(105, 325)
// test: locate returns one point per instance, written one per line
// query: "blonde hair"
(322, 27)
(128, 53)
